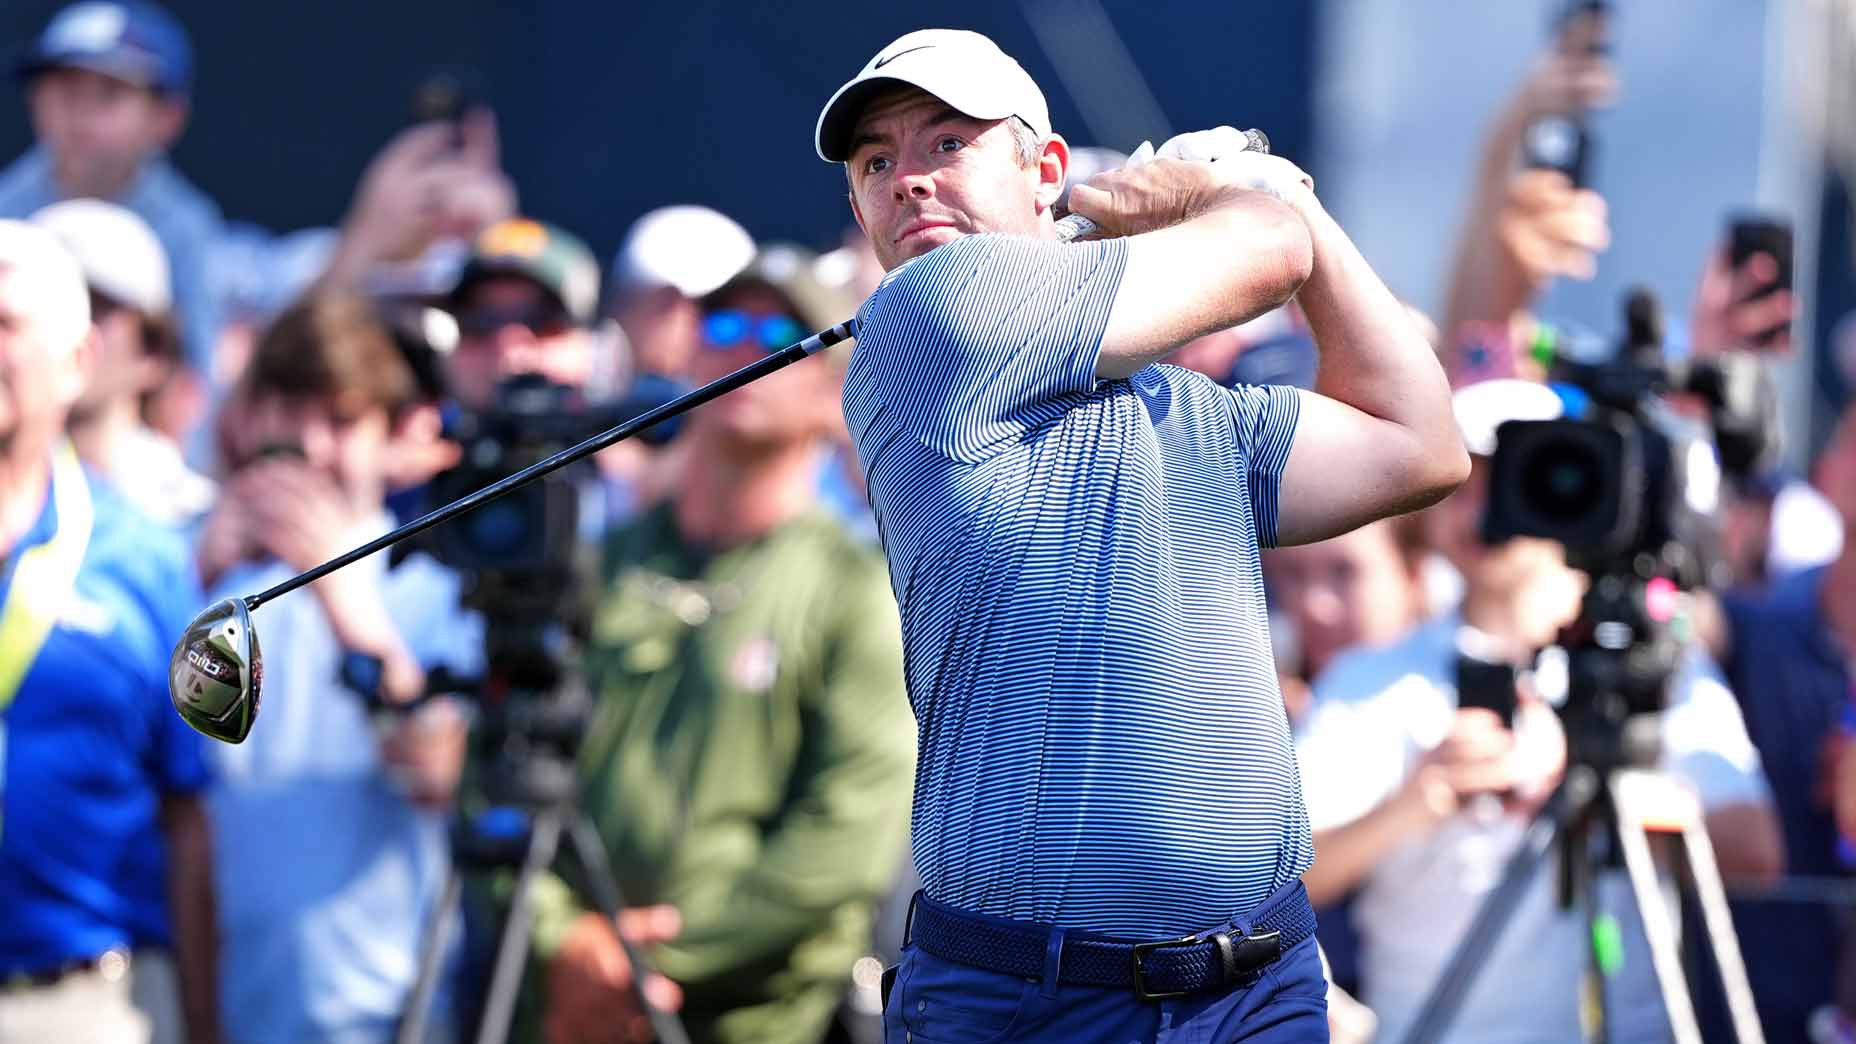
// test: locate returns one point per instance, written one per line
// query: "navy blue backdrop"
(610, 109)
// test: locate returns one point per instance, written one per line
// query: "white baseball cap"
(1485, 406)
(964, 69)
(692, 248)
(119, 254)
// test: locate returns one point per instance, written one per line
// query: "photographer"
(749, 757)
(323, 906)
(1419, 801)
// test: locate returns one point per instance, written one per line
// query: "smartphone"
(1490, 686)
(1564, 143)
(1749, 234)
(441, 98)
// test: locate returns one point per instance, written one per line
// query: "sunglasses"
(543, 319)
(724, 330)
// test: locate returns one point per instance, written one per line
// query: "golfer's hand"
(1166, 192)
(590, 998)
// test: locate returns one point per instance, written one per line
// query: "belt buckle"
(1140, 977)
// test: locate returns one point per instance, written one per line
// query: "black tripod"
(533, 781)
(1593, 809)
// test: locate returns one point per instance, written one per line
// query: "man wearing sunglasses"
(525, 303)
(751, 753)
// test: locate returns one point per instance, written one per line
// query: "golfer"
(1107, 818)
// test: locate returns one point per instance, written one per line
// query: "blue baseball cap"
(128, 40)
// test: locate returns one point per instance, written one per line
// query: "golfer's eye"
(949, 144)
(876, 164)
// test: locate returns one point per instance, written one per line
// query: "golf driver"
(217, 671)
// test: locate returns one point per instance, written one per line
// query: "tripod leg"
(512, 948)
(1718, 922)
(1633, 794)
(591, 852)
(1471, 954)
(431, 957)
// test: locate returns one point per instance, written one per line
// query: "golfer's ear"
(1053, 168)
(856, 213)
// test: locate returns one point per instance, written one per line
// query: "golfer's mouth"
(925, 225)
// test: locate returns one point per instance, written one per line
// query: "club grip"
(1075, 226)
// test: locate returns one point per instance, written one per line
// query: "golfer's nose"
(914, 187)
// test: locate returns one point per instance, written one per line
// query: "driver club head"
(216, 672)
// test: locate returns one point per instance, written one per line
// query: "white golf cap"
(119, 254)
(694, 249)
(1484, 406)
(964, 69)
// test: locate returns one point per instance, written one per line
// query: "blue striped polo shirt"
(1102, 744)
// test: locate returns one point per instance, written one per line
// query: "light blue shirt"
(184, 219)
(327, 875)
(1102, 742)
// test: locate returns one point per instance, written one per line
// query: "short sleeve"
(966, 343)
(1705, 740)
(1265, 417)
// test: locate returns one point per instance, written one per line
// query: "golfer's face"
(923, 175)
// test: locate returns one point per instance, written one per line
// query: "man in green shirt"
(750, 756)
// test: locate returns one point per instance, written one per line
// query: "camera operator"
(338, 852)
(1419, 802)
(749, 758)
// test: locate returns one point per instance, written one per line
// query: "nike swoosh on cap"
(880, 62)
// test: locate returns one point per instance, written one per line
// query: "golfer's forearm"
(1373, 355)
(1227, 265)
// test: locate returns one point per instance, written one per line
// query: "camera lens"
(498, 530)
(1562, 481)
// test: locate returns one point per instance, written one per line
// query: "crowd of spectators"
(193, 409)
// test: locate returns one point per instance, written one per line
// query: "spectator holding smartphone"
(322, 922)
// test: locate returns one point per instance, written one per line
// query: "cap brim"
(839, 118)
(134, 71)
(477, 270)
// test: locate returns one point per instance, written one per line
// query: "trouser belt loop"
(1053, 963)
